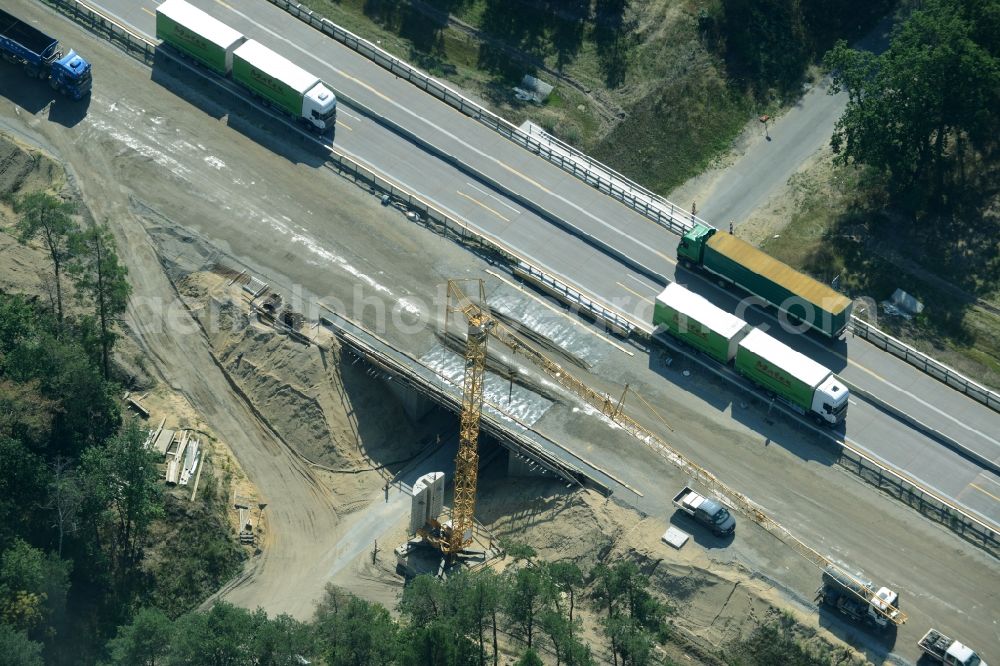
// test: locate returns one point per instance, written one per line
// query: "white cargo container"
(197, 34)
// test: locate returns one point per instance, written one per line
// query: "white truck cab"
(830, 400)
(319, 107)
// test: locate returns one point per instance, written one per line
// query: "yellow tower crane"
(483, 325)
(467, 460)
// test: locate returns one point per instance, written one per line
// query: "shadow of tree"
(539, 29)
(611, 36)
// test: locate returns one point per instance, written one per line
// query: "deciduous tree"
(144, 642)
(915, 110)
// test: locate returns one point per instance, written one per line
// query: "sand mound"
(330, 412)
(24, 170)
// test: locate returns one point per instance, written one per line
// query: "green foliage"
(32, 587)
(773, 644)
(919, 111)
(524, 600)
(198, 557)
(634, 618)
(124, 496)
(354, 632)
(768, 44)
(79, 404)
(101, 279)
(143, 642)
(224, 636)
(529, 658)
(517, 550)
(16, 649)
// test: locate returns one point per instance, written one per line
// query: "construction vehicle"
(24, 44)
(806, 386)
(706, 511)
(799, 297)
(479, 317)
(274, 80)
(947, 650)
(854, 596)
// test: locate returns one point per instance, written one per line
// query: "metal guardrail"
(928, 503)
(566, 157)
(925, 363)
(910, 491)
(606, 180)
(132, 43)
(421, 211)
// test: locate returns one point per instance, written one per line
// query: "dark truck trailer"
(24, 44)
(799, 296)
(854, 596)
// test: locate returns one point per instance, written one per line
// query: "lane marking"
(633, 291)
(495, 198)
(444, 132)
(644, 284)
(340, 111)
(986, 492)
(563, 199)
(347, 127)
(670, 260)
(993, 481)
(571, 318)
(151, 13)
(480, 203)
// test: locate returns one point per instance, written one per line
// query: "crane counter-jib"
(197, 34)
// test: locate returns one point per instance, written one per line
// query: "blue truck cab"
(24, 44)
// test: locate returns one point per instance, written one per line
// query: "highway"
(627, 289)
(217, 190)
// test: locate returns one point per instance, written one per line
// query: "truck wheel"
(54, 84)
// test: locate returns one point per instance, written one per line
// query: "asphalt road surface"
(566, 255)
(264, 198)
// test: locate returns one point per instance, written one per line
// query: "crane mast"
(467, 458)
(482, 325)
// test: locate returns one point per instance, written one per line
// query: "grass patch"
(195, 551)
(634, 83)
(825, 241)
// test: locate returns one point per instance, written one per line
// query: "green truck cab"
(802, 299)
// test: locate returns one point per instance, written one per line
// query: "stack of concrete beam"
(175, 460)
(191, 458)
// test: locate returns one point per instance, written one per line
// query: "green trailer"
(795, 378)
(799, 296)
(692, 319)
(198, 35)
(285, 85)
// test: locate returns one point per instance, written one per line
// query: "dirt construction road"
(167, 172)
